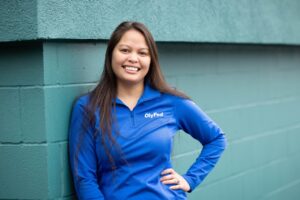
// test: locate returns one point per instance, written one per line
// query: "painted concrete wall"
(253, 92)
(230, 21)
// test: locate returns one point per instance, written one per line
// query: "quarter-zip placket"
(132, 118)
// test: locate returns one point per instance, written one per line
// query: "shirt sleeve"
(82, 156)
(194, 121)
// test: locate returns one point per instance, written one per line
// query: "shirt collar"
(149, 93)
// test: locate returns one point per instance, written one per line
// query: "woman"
(121, 133)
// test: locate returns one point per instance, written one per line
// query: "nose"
(133, 58)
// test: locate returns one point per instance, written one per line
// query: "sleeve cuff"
(190, 182)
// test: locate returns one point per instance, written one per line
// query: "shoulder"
(82, 101)
(178, 101)
(80, 104)
(186, 109)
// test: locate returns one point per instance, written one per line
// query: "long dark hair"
(103, 96)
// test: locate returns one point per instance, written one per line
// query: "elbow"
(220, 142)
(223, 141)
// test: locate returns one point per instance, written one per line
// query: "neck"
(130, 93)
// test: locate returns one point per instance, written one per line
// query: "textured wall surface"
(231, 21)
(18, 20)
(252, 92)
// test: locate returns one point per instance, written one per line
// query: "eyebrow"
(143, 48)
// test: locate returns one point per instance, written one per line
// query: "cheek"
(116, 61)
(146, 63)
(117, 57)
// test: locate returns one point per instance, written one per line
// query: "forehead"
(133, 38)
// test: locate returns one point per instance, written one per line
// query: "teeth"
(131, 68)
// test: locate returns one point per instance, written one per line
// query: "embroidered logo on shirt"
(154, 115)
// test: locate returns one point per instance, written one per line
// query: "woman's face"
(131, 58)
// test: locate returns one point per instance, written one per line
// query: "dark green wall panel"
(21, 66)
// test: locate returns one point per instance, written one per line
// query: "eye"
(144, 53)
(124, 50)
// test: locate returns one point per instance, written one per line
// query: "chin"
(132, 81)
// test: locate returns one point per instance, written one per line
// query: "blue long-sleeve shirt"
(145, 138)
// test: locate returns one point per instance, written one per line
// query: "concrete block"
(293, 138)
(271, 178)
(215, 92)
(67, 63)
(290, 169)
(21, 64)
(33, 114)
(231, 188)
(58, 104)
(242, 156)
(252, 185)
(289, 192)
(254, 119)
(66, 177)
(10, 117)
(235, 121)
(269, 148)
(54, 163)
(287, 180)
(23, 172)
(279, 114)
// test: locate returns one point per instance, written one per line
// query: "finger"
(167, 177)
(167, 171)
(172, 181)
(175, 187)
(168, 182)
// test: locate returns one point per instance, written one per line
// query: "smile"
(131, 68)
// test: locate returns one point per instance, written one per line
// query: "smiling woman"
(121, 133)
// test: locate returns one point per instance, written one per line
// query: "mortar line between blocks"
(233, 176)
(291, 184)
(48, 85)
(254, 104)
(31, 143)
(265, 134)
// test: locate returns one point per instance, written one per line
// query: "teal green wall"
(230, 21)
(252, 92)
(221, 54)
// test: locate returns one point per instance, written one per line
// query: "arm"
(195, 122)
(83, 159)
